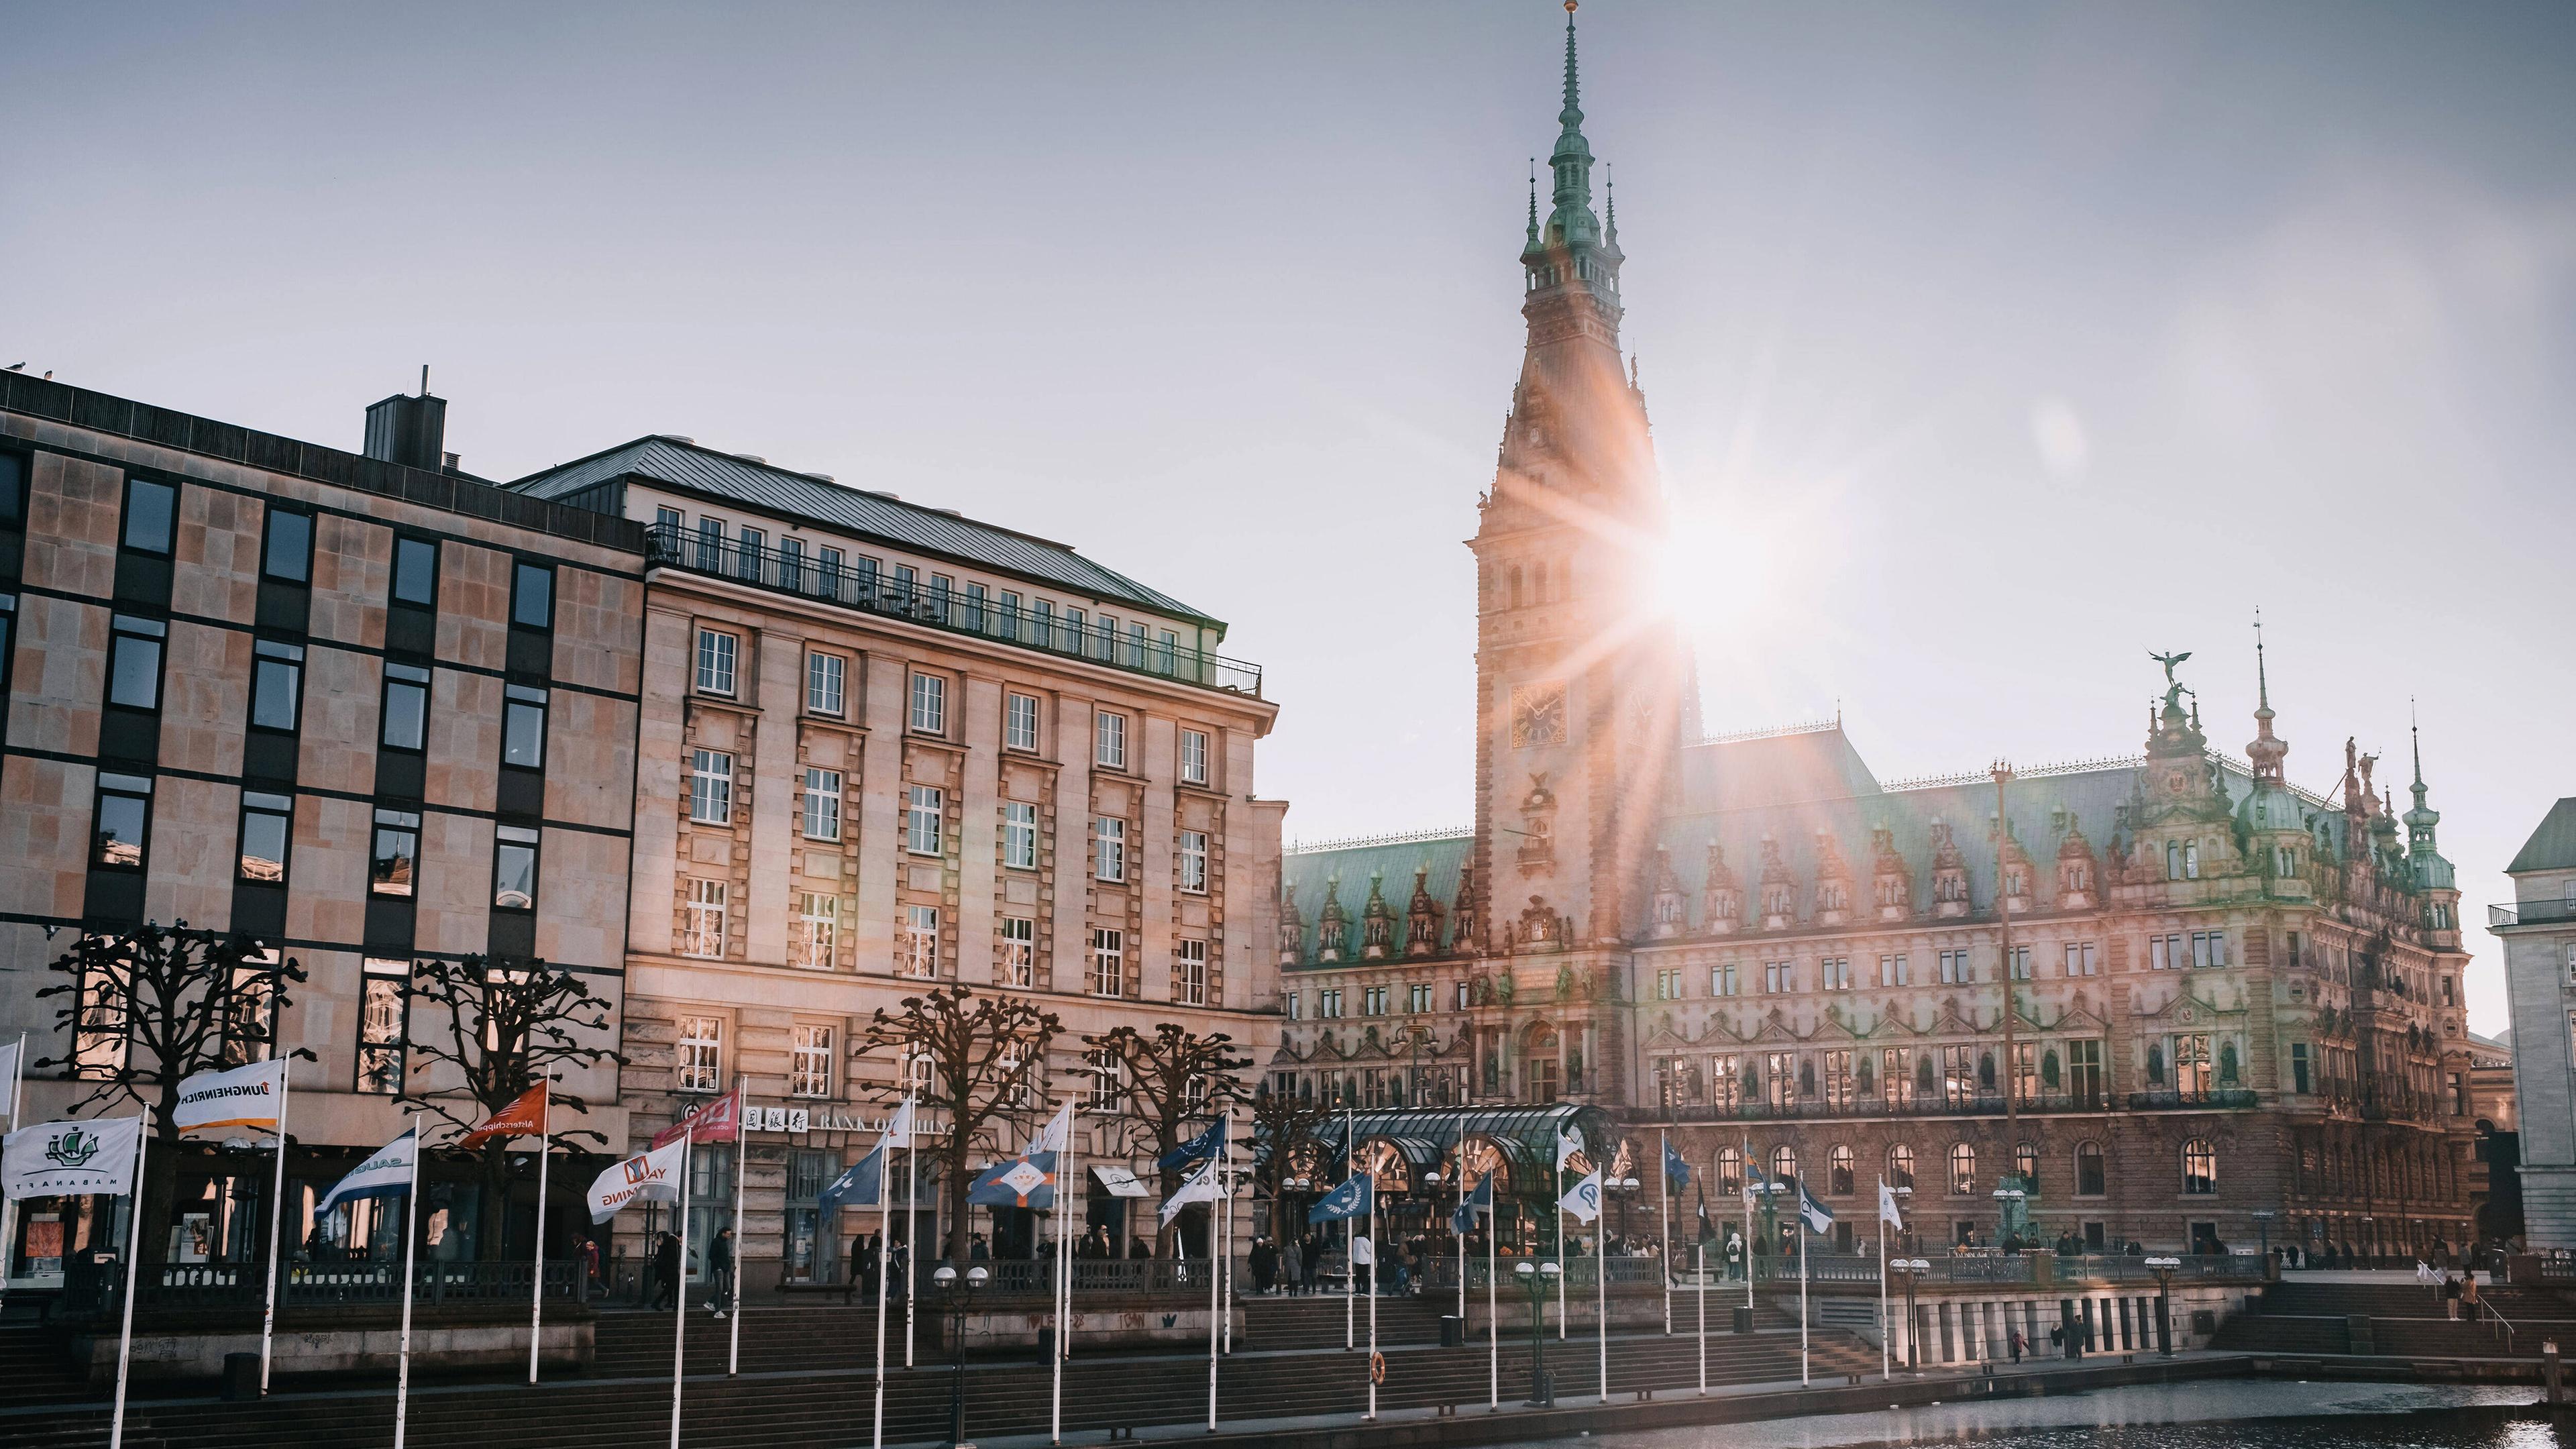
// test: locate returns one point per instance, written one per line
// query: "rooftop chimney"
(410, 430)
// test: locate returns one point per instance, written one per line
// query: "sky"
(1989, 346)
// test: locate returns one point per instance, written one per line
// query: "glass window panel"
(416, 572)
(149, 509)
(289, 552)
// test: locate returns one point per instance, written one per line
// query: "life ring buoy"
(1377, 1368)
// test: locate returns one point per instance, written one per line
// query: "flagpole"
(1748, 1221)
(741, 1162)
(1215, 1276)
(537, 1295)
(1601, 1291)
(1802, 1284)
(1226, 1156)
(276, 1215)
(911, 1227)
(1664, 1139)
(133, 1256)
(1886, 1361)
(1493, 1320)
(1374, 1255)
(1064, 1277)
(17, 1084)
(411, 1235)
(1699, 1272)
(885, 1231)
(679, 1299)
(1350, 1267)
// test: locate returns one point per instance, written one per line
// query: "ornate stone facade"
(2228, 996)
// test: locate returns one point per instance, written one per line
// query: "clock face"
(1538, 715)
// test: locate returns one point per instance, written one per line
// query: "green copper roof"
(2553, 845)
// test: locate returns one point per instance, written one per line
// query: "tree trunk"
(953, 1192)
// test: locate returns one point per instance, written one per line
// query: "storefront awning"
(1118, 1182)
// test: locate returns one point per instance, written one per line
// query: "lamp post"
(2263, 1224)
(1538, 1282)
(1771, 1190)
(2011, 1213)
(2164, 1269)
(1908, 1270)
(957, 1302)
(1905, 1200)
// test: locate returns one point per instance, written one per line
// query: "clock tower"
(1581, 683)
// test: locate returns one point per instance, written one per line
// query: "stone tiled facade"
(74, 459)
(2538, 933)
(2234, 1008)
(736, 712)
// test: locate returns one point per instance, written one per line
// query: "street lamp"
(1908, 1270)
(2164, 1269)
(1905, 1199)
(957, 1303)
(1771, 1191)
(2011, 1213)
(2263, 1224)
(1538, 1282)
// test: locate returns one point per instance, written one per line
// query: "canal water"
(2225, 1414)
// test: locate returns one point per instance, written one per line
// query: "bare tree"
(145, 1009)
(1163, 1082)
(1282, 1122)
(503, 1025)
(976, 1060)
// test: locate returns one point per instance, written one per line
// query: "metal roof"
(2553, 845)
(676, 463)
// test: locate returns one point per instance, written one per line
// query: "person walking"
(1265, 1265)
(589, 1268)
(720, 1271)
(1363, 1264)
(2451, 1297)
(2469, 1292)
(1310, 1253)
(666, 1271)
(859, 1259)
(2018, 1344)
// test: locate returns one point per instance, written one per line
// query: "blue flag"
(1819, 1218)
(1353, 1199)
(861, 1184)
(1482, 1199)
(1206, 1144)
(1027, 1181)
(1676, 1170)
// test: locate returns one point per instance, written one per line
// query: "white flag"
(1584, 1198)
(1201, 1186)
(386, 1174)
(9, 1054)
(1568, 1143)
(71, 1158)
(648, 1176)
(1887, 1211)
(1056, 1135)
(899, 1128)
(245, 1097)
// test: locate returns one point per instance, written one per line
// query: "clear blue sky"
(1988, 346)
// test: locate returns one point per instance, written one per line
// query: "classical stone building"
(365, 708)
(2539, 935)
(886, 746)
(2235, 1006)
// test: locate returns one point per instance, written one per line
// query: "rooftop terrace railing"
(2532, 913)
(828, 575)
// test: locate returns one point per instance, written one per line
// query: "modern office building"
(361, 707)
(2538, 932)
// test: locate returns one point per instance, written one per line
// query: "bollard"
(2549, 1372)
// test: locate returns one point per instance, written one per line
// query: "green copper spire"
(1572, 221)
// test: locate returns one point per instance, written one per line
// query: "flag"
(1204, 1185)
(1819, 1218)
(1353, 1199)
(245, 1097)
(9, 1052)
(1584, 1198)
(1707, 1229)
(1676, 1170)
(899, 1127)
(1481, 1199)
(1025, 1181)
(1887, 1209)
(1569, 1145)
(1206, 1144)
(861, 1184)
(717, 1119)
(648, 1176)
(71, 1158)
(1753, 1184)
(525, 1116)
(388, 1173)
(1056, 1135)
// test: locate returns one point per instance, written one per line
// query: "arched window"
(1900, 1166)
(2090, 1178)
(1730, 1172)
(1963, 1168)
(2199, 1166)
(2048, 1070)
(1838, 1169)
(2191, 860)
(2156, 1063)
(2173, 849)
(2227, 1064)
(2026, 1164)
(1516, 586)
(1784, 1163)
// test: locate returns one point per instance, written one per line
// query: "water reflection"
(2244, 1414)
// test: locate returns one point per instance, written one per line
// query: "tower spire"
(2266, 750)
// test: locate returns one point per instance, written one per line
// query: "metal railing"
(2174, 1100)
(2487, 1313)
(1934, 1104)
(187, 1286)
(809, 575)
(2532, 913)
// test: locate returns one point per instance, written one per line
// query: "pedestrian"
(979, 1251)
(2451, 1297)
(2017, 1344)
(589, 1267)
(860, 1258)
(898, 1270)
(666, 1271)
(2469, 1291)
(1311, 1253)
(1363, 1265)
(720, 1271)
(1264, 1264)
